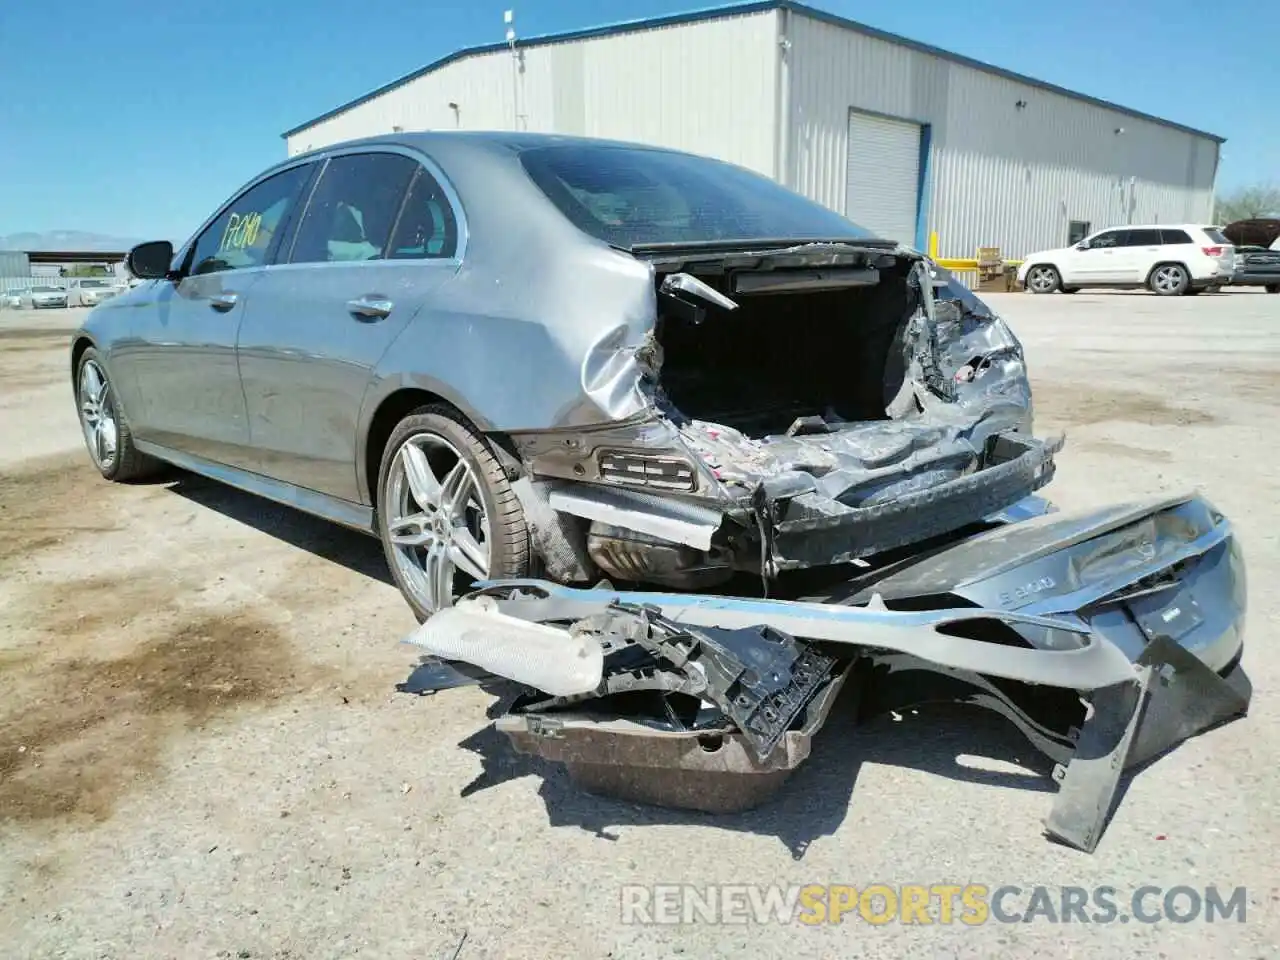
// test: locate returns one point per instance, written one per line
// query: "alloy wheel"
(437, 524)
(1042, 279)
(97, 415)
(1167, 279)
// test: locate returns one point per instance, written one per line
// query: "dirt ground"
(203, 753)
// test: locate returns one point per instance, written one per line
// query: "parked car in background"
(90, 291)
(12, 299)
(1258, 267)
(1168, 259)
(507, 353)
(44, 295)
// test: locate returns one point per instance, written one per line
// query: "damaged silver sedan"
(696, 453)
(516, 355)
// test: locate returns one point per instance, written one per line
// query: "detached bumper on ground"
(1106, 638)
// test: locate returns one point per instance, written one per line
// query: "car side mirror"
(150, 261)
(1082, 245)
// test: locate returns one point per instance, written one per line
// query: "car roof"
(457, 151)
(1162, 226)
(453, 146)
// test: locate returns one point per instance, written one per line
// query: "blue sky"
(137, 118)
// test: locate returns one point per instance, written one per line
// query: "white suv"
(1168, 259)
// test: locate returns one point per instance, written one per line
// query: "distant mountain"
(64, 240)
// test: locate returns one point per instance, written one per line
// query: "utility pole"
(509, 18)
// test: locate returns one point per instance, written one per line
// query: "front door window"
(245, 232)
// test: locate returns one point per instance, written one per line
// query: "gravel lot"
(202, 753)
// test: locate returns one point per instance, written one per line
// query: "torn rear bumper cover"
(709, 702)
(818, 531)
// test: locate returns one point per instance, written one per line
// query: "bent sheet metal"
(1105, 638)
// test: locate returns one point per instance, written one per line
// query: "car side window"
(427, 227)
(1171, 237)
(1143, 238)
(243, 234)
(1112, 238)
(353, 208)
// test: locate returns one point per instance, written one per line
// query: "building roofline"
(745, 9)
(614, 28)
(46, 257)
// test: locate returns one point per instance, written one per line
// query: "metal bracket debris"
(1172, 697)
(1087, 788)
(759, 677)
(544, 727)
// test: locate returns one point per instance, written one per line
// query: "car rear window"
(1216, 235)
(46, 289)
(627, 196)
(94, 283)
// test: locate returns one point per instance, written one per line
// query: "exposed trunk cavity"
(782, 356)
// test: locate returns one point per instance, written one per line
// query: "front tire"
(447, 515)
(1169, 280)
(1043, 278)
(106, 433)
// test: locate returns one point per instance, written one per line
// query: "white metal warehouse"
(903, 138)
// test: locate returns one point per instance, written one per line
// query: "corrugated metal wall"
(999, 175)
(14, 263)
(707, 87)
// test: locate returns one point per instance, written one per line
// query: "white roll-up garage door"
(883, 176)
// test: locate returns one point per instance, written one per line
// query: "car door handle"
(223, 302)
(370, 307)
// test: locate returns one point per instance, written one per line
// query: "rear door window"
(245, 233)
(1143, 238)
(1173, 237)
(353, 208)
